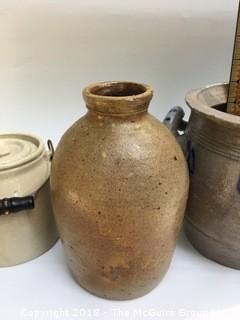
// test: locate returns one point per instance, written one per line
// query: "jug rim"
(118, 97)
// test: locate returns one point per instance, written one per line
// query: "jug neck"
(117, 99)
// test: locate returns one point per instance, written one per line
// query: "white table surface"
(49, 51)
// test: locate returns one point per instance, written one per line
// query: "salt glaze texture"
(212, 221)
(119, 186)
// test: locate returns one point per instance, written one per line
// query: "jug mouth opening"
(211, 102)
(118, 89)
(118, 97)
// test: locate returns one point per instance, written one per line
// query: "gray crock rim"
(195, 100)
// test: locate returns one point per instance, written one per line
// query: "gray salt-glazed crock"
(212, 146)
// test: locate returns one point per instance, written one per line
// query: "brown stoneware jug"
(119, 186)
(212, 146)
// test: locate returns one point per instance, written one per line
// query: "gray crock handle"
(175, 123)
(174, 120)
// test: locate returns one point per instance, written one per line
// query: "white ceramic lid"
(18, 149)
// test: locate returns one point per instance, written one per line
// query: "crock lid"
(18, 149)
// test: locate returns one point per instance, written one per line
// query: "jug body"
(119, 187)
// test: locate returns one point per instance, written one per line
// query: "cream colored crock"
(27, 227)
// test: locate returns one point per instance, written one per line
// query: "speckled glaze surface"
(119, 186)
(212, 221)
